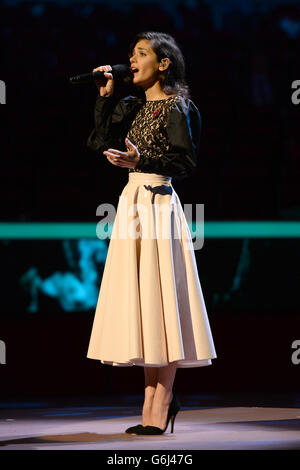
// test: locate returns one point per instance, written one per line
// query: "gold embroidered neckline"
(163, 99)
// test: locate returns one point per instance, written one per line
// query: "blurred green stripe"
(224, 229)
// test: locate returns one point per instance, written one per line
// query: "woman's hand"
(127, 159)
(105, 84)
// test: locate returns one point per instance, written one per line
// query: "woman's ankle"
(149, 394)
(147, 405)
(163, 398)
(146, 414)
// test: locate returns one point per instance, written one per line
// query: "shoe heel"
(173, 421)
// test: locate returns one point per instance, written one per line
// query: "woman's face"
(144, 60)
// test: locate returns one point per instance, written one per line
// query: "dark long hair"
(164, 45)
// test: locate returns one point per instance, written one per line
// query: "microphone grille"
(120, 70)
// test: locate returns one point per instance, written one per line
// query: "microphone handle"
(86, 77)
(119, 71)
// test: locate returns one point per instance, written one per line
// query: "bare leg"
(163, 395)
(151, 378)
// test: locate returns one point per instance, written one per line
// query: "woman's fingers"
(129, 144)
(106, 69)
(119, 158)
(117, 161)
(118, 152)
(103, 68)
(111, 159)
(115, 158)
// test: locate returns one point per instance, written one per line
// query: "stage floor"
(43, 426)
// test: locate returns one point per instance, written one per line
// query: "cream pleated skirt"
(150, 310)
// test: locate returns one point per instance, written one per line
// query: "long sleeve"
(112, 118)
(184, 129)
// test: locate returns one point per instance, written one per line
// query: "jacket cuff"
(140, 164)
(102, 99)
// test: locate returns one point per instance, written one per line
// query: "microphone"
(119, 71)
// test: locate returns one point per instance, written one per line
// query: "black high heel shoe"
(134, 429)
(174, 407)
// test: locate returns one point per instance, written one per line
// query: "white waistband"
(147, 177)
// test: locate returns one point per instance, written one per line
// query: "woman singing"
(151, 311)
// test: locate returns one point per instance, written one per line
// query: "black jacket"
(113, 119)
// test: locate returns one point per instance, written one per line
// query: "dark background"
(241, 60)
